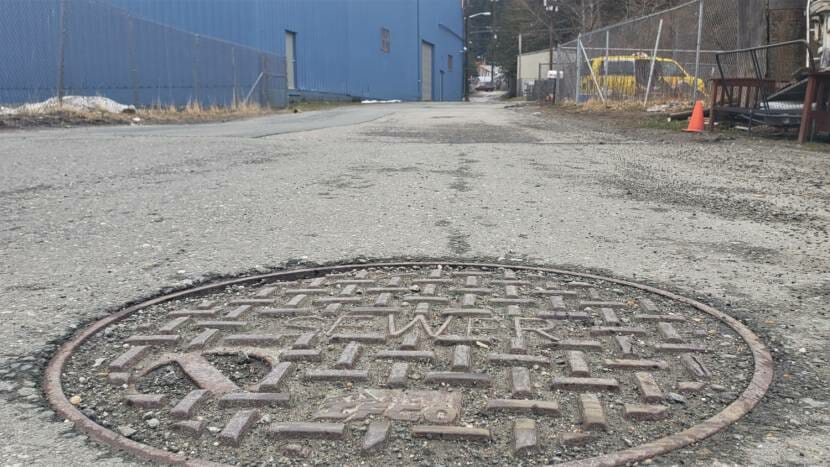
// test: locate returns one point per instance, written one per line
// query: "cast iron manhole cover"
(410, 364)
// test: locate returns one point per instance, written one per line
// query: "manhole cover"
(410, 364)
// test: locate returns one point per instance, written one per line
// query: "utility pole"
(551, 8)
(467, 18)
(493, 43)
(550, 45)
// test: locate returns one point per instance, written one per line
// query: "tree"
(636, 8)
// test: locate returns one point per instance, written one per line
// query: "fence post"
(196, 69)
(697, 51)
(653, 60)
(605, 63)
(170, 98)
(266, 82)
(62, 52)
(559, 69)
(578, 68)
(263, 69)
(235, 97)
(131, 44)
(591, 69)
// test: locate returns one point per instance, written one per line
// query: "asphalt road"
(93, 218)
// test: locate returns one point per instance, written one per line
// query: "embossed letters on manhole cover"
(410, 364)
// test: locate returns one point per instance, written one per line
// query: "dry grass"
(158, 114)
(595, 105)
(622, 114)
(195, 113)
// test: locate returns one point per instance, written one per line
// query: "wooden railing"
(739, 96)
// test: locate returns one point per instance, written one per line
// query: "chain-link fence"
(762, 85)
(52, 48)
(782, 62)
(665, 57)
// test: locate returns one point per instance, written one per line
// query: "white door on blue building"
(426, 71)
(290, 60)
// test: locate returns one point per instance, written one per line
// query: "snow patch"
(70, 103)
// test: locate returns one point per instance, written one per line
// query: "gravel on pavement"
(93, 218)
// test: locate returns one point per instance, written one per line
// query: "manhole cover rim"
(746, 402)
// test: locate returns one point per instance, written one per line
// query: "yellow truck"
(627, 76)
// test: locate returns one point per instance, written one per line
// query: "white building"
(532, 66)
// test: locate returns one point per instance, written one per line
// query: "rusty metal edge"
(752, 395)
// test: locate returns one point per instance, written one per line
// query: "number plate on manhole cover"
(410, 364)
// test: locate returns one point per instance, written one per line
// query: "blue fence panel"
(97, 55)
(29, 38)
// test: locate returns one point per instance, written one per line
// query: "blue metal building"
(379, 49)
(148, 52)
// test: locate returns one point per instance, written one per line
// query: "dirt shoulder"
(657, 127)
(166, 116)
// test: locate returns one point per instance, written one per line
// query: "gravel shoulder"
(91, 219)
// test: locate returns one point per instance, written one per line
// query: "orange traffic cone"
(696, 124)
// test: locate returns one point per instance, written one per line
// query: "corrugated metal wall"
(29, 37)
(338, 41)
(89, 47)
(212, 51)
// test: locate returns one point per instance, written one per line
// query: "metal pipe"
(256, 83)
(697, 51)
(605, 62)
(465, 76)
(641, 18)
(132, 43)
(653, 61)
(759, 74)
(61, 53)
(634, 49)
(558, 82)
(420, 50)
(578, 69)
(593, 75)
(777, 44)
